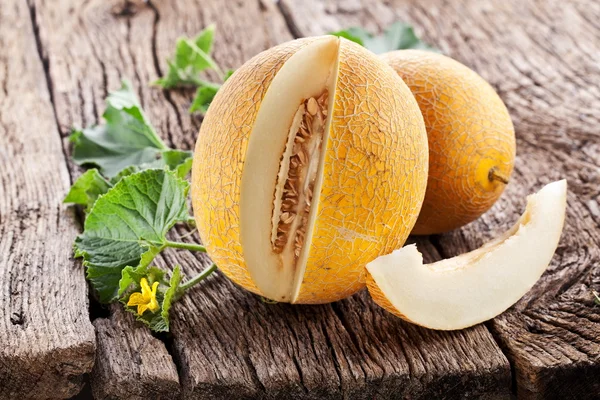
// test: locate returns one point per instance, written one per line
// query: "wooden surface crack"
(356, 341)
(289, 20)
(46, 67)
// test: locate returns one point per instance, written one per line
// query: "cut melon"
(311, 162)
(471, 288)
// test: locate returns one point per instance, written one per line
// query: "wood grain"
(226, 342)
(543, 59)
(46, 338)
(131, 363)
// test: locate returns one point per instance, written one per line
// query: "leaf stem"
(198, 278)
(187, 234)
(219, 71)
(186, 246)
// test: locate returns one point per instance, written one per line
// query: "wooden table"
(59, 59)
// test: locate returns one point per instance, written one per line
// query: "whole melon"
(311, 161)
(471, 138)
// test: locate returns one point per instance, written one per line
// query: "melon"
(311, 162)
(471, 138)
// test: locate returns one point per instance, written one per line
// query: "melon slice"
(271, 233)
(471, 288)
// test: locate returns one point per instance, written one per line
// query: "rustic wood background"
(59, 59)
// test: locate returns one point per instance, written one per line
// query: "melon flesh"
(307, 74)
(474, 287)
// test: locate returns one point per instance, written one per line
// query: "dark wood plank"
(125, 350)
(226, 342)
(46, 338)
(542, 58)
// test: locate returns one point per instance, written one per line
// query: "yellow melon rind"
(374, 170)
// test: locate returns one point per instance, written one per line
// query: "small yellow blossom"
(146, 300)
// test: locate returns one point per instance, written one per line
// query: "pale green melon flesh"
(471, 288)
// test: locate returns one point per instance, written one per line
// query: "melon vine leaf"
(206, 93)
(192, 56)
(162, 324)
(127, 137)
(179, 161)
(204, 40)
(397, 36)
(87, 188)
(91, 184)
(128, 226)
(354, 34)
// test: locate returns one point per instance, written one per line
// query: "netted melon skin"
(470, 131)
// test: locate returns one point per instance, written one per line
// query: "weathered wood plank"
(46, 338)
(81, 74)
(540, 56)
(126, 350)
(226, 342)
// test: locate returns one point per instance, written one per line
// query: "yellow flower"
(145, 300)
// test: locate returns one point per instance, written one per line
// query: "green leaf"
(403, 36)
(190, 59)
(127, 226)
(162, 324)
(397, 36)
(166, 295)
(204, 40)
(87, 188)
(125, 100)
(355, 35)
(205, 94)
(596, 297)
(127, 138)
(179, 161)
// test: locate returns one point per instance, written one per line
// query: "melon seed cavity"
(297, 175)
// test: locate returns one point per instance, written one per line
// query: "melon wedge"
(471, 288)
